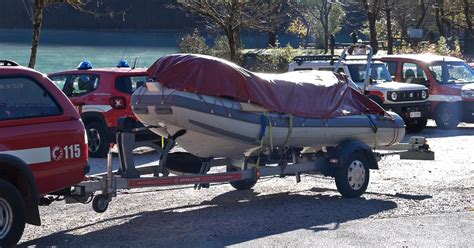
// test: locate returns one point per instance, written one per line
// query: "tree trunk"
(325, 11)
(439, 16)
(39, 8)
(423, 14)
(231, 38)
(238, 38)
(388, 13)
(308, 29)
(468, 14)
(373, 32)
(326, 38)
(372, 18)
(271, 38)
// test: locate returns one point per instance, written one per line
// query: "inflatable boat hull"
(220, 127)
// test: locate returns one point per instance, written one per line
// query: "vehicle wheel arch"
(89, 117)
(343, 151)
(453, 107)
(16, 171)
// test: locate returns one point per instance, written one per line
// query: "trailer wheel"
(242, 184)
(12, 214)
(100, 203)
(352, 178)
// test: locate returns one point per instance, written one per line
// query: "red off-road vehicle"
(43, 147)
(102, 96)
(450, 82)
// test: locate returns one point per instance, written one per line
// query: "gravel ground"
(407, 203)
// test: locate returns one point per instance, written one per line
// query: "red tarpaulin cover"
(314, 94)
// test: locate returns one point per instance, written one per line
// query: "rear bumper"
(404, 110)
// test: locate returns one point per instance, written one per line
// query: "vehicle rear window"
(76, 85)
(24, 98)
(128, 84)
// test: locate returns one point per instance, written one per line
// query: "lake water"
(65, 49)
(61, 50)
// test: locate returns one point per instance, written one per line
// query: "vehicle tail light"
(118, 102)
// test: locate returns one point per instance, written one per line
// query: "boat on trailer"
(228, 111)
(286, 125)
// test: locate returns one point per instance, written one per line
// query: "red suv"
(35, 158)
(450, 82)
(102, 96)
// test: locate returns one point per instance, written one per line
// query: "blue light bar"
(123, 63)
(84, 65)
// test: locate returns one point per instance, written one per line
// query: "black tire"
(416, 126)
(352, 178)
(98, 141)
(100, 203)
(12, 211)
(447, 116)
(242, 184)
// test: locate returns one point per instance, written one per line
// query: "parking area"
(408, 203)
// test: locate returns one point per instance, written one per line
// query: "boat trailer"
(348, 163)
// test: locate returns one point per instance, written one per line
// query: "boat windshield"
(452, 72)
(379, 73)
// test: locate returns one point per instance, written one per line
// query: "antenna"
(135, 63)
(123, 54)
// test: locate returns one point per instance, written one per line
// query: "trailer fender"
(338, 155)
(16, 171)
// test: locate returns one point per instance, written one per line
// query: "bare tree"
(469, 15)
(372, 9)
(388, 7)
(231, 16)
(281, 10)
(439, 16)
(39, 8)
(326, 13)
(423, 9)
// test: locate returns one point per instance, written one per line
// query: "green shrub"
(261, 60)
(440, 48)
(193, 43)
(221, 48)
(270, 60)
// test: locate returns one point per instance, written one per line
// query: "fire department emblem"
(57, 153)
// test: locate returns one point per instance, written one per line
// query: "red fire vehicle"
(35, 157)
(450, 81)
(102, 96)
